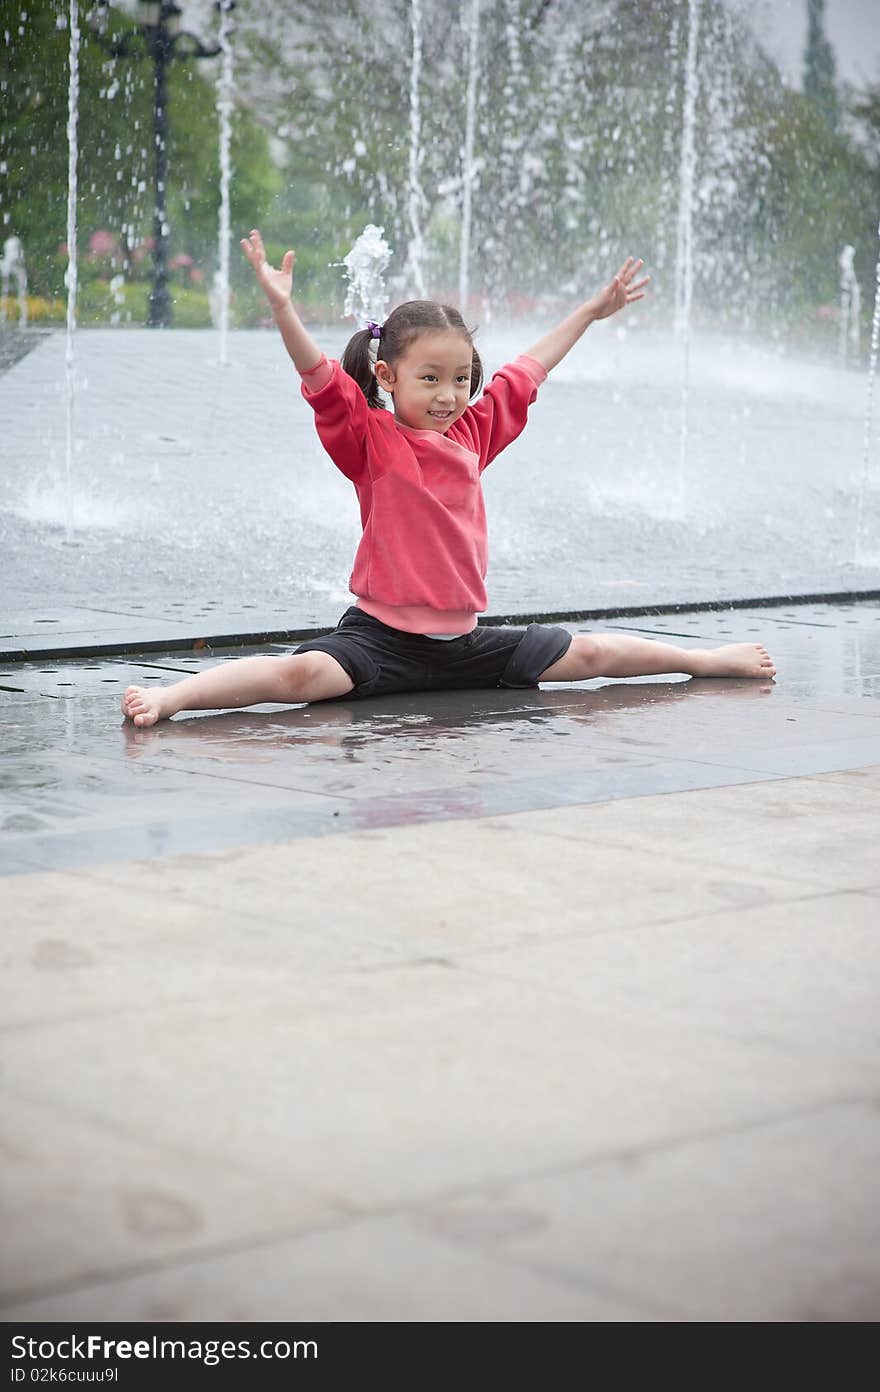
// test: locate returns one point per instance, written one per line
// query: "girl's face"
(431, 382)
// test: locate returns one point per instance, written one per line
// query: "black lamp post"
(159, 24)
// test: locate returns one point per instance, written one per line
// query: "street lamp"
(159, 23)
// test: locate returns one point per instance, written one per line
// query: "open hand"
(276, 284)
(624, 289)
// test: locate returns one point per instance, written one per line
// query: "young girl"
(419, 570)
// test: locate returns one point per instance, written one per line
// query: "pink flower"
(102, 243)
(196, 275)
(180, 261)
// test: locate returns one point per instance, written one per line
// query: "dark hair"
(401, 328)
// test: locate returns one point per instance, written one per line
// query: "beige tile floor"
(615, 1062)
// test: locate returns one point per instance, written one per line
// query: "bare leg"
(619, 655)
(248, 681)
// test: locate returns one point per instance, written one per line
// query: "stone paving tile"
(381, 1269)
(394, 1084)
(89, 1200)
(860, 781)
(447, 888)
(74, 791)
(774, 1223)
(857, 750)
(27, 853)
(48, 622)
(74, 947)
(802, 974)
(812, 829)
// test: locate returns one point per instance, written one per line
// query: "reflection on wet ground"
(80, 786)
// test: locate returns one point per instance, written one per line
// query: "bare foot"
(144, 705)
(733, 660)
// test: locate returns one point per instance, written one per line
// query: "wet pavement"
(82, 787)
(544, 1005)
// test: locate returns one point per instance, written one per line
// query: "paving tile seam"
(357, 1214)
(467, 956)
(172, 767)
(387, 959)
(506, 1256)
(872, 711)
(837, 778)
(199, 1256)
(763, 781)
(795, 748)
(175, 768)
(237, 779)
(134, 1135)
(744, 866)
(634, 1153)
(648, 1016)
(134, 1011)
(589, 1285)
(148, 1266)
(618, 842)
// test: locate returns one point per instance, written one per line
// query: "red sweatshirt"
(421, 562)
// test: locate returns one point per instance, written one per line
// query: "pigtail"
(357, 361)
(476, 373)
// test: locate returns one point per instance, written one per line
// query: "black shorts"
(380, 659)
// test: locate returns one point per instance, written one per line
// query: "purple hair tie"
(375, 329)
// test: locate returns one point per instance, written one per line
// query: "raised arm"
(624, 289)
(277, 286)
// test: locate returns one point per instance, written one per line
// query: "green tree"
(819, 68)
(115, 179)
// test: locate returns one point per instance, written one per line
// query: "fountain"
(71, 275)
(224, 111)
(467, 164)
(869, 414)
(12, 264)
(684, 261)
(415, 195)
(767, 506)
(850, 307)
(365, 266)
